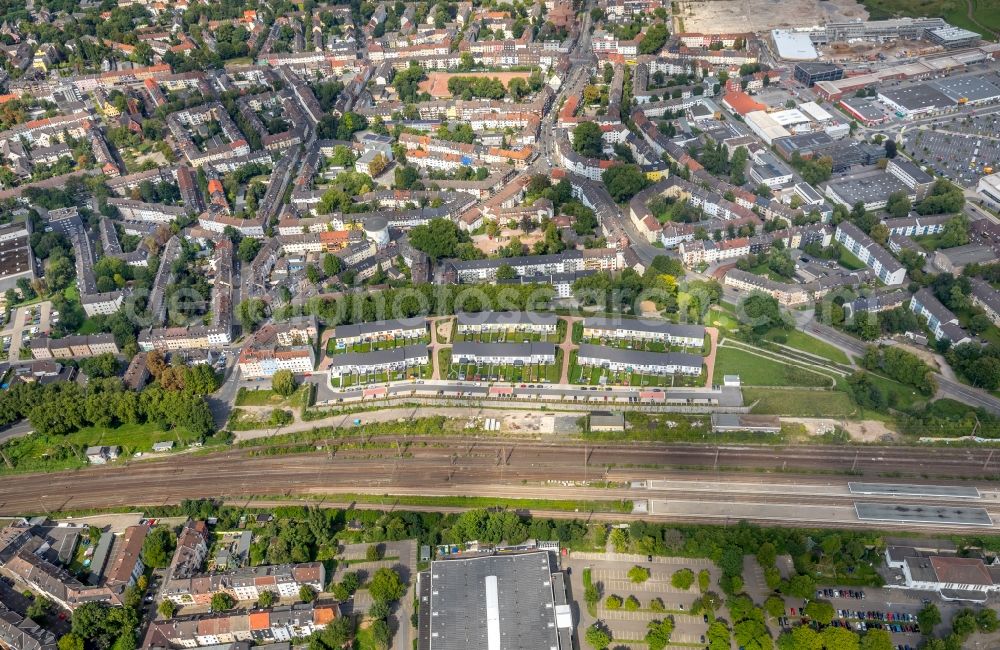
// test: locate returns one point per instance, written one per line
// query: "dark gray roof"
(506, 318)
(515, 591)
(469, 349)
(361, 329)
(639, 357)
(645, 325)
(379, 357)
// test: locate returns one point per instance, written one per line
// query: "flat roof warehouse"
(497, 602)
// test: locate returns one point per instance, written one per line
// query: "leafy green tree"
(654, 39)
(158, 548)
(248, 249)
(438, 238)
(624, 181)
(334, 636)
(986, 619)
(682, 578)
(839, 638)
(820, 611)
(774, 606)
(704, 580)
(167, 608)
(587, 139)
(307, 594)
(658, 633)
(613, 602)
(638, 574)
(877, 640)
(265, 599)
(927, 618)
(386, 585)
(632, 604)
(382, 634)
(597, 637)
(221, 602)
(39, 609)
(70, 641)
(283, 383)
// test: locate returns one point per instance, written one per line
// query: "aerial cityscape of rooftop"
(499, 324)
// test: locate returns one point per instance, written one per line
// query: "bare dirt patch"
(736, 16)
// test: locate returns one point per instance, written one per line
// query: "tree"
(898, 203)
(382, 634)
(506, 272)
(632, 604)
(658, 633)
(283, 383)
(265, 599)
(820, 611)
(638, 574)
(386, 585)
(927, 618)
(167, 608)
(307, 594)
(624, 181)
(373, 553)
(774, 606)
(704, 580)
(986, 619)
(221, 602)
(682, 579)
(332, 265)
(38, 609)
(158, 548)
(438, 238)
(248, 249)
(70, 642)
(802, 586)
(890, 148)
(596, 637)
(587, 139)
(334, 636)
(613, 602)
(654, 39)
(877, 640)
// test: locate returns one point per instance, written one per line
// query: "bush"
(638, 574)
(613, 602)
(632, 604)
(657, 605)
(704, 580)
(682, 579)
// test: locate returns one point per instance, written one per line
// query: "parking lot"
(28, 322)
(960, 151)
(611, 571)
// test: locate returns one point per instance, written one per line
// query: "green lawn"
(758, 371)
(801, 341)
(985, 12)
(800, 403)
(848, 260)
(722, 317)
(38, 452)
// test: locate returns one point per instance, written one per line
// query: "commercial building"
(953, 577)
(794, 45)
(916, 100)
(989, 189)
(953, 37)
(504, 601)
(878, 259)
(644, 330)
(654, 363)
(809, 73)
(503, 353)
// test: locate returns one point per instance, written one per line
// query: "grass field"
(985, 13)
(759, 371)
(722, 316)
(799, 403)
(848, 260)
(801, 341)
(38, 452)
